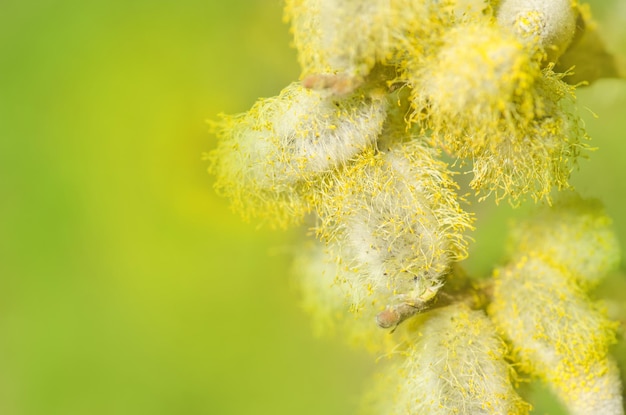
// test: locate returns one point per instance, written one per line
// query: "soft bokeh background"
(126, 285)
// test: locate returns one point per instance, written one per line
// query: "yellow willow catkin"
(558, 334)
(574, 233)
(396, 223)
(485, 99)
(349, 36)
(454, 365)
(268, 155)
(550, 25)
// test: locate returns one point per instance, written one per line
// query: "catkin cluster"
(390, 89)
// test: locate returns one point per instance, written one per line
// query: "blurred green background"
(126, 285)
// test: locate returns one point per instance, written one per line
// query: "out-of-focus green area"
(126, 285)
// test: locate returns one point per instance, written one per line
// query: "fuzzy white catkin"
(602, 394)
(349, 36)
(575, 233)
(455, 365)
(514, 120)
(550, 24)
(265, 153)
(302, 133)
(558, 334)
(396, 222)
(478, 68)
